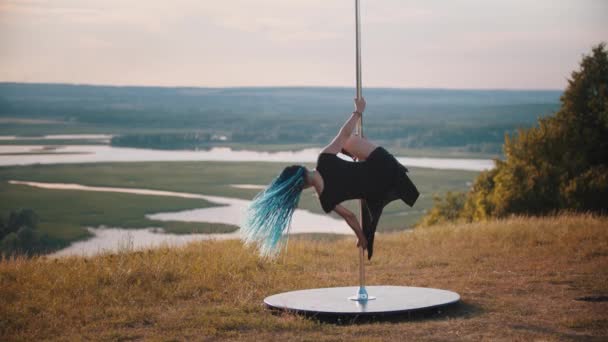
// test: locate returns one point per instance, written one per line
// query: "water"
(248, 186)
(230, 211)
(71, 154)
(111, 240)
(104, 137)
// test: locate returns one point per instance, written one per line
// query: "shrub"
(20, 235)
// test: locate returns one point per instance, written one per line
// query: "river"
(71, 154)
(229, 211)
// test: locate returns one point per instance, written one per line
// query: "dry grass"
(518, 278)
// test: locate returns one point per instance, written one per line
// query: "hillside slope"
(520, 278)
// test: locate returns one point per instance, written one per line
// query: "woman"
(377, 178)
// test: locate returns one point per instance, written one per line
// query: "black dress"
(378, 181)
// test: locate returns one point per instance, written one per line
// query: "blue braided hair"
(269, 214)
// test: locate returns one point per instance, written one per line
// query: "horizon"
(273, 87)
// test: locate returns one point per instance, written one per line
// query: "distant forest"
(184, 118)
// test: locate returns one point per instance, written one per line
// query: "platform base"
(362, 295)
(389, 301)
(359, 299)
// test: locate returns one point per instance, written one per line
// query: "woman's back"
(344, 180)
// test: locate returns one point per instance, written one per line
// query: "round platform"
(334, 301)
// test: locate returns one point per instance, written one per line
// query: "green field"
(65, 213)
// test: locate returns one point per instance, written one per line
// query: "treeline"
(172, 117)
(474, 139)
(19, 234)
(562, 164)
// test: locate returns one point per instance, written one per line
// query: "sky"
(479, 44)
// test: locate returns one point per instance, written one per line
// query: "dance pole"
(358, 52)
(359, 131)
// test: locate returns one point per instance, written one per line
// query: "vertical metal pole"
(362, 295)
(358, 47)
(359, 128)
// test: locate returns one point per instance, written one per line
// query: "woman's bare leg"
(359, 147)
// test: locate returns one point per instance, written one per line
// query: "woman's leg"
(359, 147)
(372, 210)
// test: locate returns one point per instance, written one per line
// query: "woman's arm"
(353, 222)
(347, 129)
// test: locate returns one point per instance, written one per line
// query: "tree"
(3, 228)
(10, 244)
(444, 209)
(19, 235)
(562, 164)
(20, 218)
(478, 204)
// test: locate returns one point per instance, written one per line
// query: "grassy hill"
(519, 279)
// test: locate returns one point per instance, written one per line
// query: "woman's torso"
(345, 180)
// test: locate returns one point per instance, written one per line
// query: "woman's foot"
(362, 241)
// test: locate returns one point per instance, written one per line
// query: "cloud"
(280, 20)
